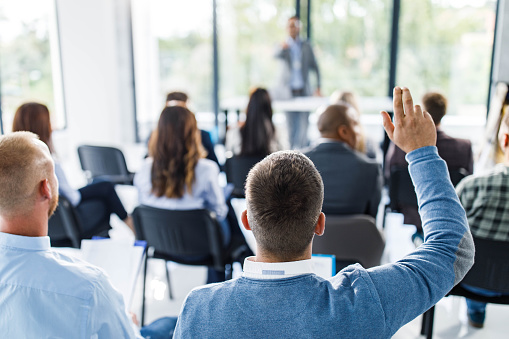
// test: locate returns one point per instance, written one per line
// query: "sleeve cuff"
(421, 153)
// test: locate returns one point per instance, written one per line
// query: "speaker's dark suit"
(352, 181)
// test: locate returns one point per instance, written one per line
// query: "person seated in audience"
(180, 99)
(352, 181)
(457, 153)
(278, 293)
(95, 202)
(257, 135)
(177, 176)
(486, 201)
(44, 293)
(365, 144)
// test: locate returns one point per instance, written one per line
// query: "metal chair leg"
(143, 291)
(429, 323)
(170, 294)
(423, 323)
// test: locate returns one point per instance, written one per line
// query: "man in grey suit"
(298, 59)
(352, 182)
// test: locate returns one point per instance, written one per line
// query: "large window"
(446, 45)
(29, 58)
(351, 40)
(249, 32)
(173, 51)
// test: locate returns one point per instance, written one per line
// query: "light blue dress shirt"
(206, 192)
(46, 294)
(296, 81)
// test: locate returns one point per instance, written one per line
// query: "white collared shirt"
(276, 270)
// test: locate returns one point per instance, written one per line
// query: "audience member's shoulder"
(206, 165)
(459, 142)
(75, 276)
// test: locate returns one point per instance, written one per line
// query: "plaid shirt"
(486, 201)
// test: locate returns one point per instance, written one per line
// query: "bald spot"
(333, 117)
(25, 161)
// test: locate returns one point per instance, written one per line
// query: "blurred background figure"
(257, 135)
(298, 60)
(365, 144)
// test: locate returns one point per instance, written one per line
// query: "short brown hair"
(333, 117)
(284, 196)
(22, 167)
(436, 105)
(177, 96)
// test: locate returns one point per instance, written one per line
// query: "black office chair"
(106, 163)
(236, 169)
(64, 226)
(352, 239)
(176, 236)
(490, 271)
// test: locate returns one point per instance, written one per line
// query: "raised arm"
(412, 285)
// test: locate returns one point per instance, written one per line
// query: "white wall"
(97, 72)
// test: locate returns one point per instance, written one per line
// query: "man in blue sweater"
(280, 296)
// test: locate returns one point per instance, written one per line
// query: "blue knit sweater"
(356, 303)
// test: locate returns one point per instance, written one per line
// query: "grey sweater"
(356, 303)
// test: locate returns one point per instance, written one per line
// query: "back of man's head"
(284, 196)
(333, 117)
(436, 105)
(177, 96)
(24, 162)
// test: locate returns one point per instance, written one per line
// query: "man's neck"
(263, 256)
(24, 225)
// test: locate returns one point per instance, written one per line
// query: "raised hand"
(413, 128)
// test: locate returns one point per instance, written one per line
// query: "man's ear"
(243, 218)
(343, 132)
(505, 140)
(45, 189)
(320, 225)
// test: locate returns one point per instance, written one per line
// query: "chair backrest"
(491, 267)
(237, 168)
(176, 235)
(63, 226)
(351, 238)
(105, 162)
(401, 188)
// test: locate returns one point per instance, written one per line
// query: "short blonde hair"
(23, 165)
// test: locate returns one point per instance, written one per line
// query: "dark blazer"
(352, 182)
(457, 153)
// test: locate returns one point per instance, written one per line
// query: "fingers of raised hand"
(388, 125)
(418, 111)
(408, 103)
(399, 112)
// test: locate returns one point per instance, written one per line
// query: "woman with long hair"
(95, 202)
(177, 176)
(257, 135)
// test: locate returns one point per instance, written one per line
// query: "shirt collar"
(277, 270)
(26, 243)
(290, 41)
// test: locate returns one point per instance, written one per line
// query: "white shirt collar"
(277, 270)
(26, 243)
